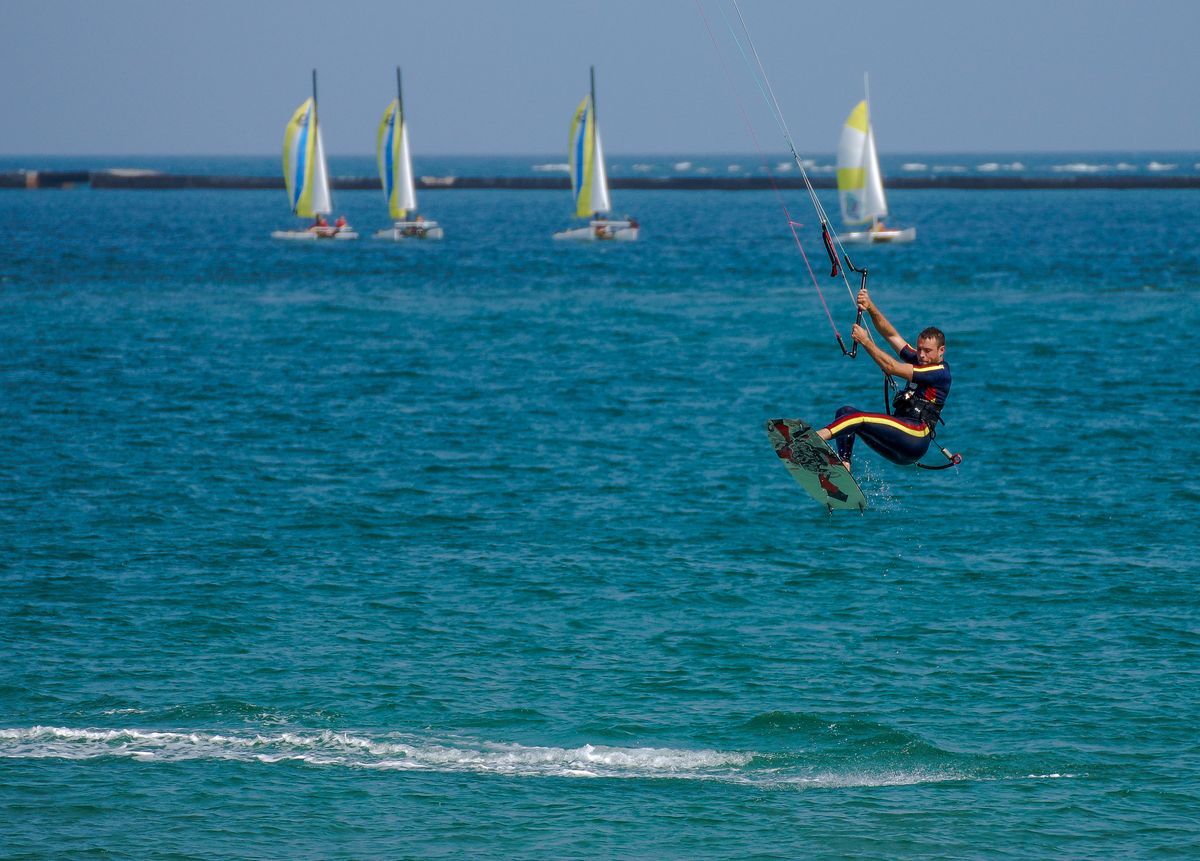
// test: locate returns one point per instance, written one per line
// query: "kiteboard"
(814, 465)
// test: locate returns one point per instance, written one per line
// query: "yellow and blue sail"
(588, 180)
(395, 163)
(299, 143)
(304, 171)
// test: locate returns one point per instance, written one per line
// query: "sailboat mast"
(399, 95)
(314, 71)
(595, 122)
(870, 139)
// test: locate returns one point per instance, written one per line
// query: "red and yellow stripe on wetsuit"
(902, 441)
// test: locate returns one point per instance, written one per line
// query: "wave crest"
(852, 753)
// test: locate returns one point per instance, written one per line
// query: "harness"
(908, 404)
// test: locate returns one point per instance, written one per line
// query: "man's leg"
(842, 432)
(902, 441)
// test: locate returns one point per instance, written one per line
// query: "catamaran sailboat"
(307, 177)
(589, 181)
(860, 183)
(395, 170)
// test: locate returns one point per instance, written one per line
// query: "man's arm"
(889, 365)
(885, 329)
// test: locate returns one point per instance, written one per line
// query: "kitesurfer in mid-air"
(904, 436)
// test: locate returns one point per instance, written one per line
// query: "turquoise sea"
(478, 549)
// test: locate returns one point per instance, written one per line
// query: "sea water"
(478, 549)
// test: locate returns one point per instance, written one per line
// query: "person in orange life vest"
(904, 436)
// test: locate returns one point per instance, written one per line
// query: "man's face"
(928, 351)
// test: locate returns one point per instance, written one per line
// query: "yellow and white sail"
(860, 183)
(395, 163)
(589, 181)
(304, 171)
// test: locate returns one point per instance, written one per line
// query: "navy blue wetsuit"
(902, 438)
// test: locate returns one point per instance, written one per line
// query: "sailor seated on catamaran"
(904, 436)
(341, 223)
(415, 228)
(606, 228)
(319, 225)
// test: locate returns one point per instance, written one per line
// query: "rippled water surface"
(478, 549)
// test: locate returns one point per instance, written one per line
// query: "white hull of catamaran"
(602, 231)
(880, 237)
(312, 235)
(411, 230)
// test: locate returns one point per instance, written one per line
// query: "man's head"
(931, 346)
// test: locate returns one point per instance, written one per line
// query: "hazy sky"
(132, 77)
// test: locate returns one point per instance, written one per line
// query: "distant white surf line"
(411, 753)
(1087, 167)
(937, 168)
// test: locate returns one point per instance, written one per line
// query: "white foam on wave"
(683, 165)
(414, 753)
(855, 780)
(393, 752)
(893, 777)
(558, 167)
(994, 166)
(914, 165)
(1158, 165)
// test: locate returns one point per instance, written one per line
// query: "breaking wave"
(412, 753)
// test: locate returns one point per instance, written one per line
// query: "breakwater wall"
(149, 179)
(44, 178)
